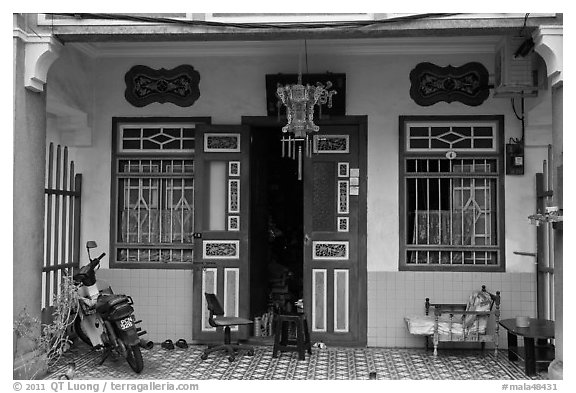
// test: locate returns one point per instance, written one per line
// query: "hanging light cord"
(524, 26)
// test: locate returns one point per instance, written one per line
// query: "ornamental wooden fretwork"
(467, 84)
(145, 85)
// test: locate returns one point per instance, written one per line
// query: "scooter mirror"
(91, 244)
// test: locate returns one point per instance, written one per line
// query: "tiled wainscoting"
(393, 295)
(163, 299)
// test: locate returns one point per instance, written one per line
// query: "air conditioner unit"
(514, 75)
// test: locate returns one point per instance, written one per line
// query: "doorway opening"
(276, 234)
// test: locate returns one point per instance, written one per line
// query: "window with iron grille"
(451, 193)
(153, 193)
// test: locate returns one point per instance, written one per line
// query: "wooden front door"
(221, 226)
(335, 232)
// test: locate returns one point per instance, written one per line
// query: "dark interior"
(276, 228)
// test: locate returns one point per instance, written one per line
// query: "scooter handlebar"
(86, 274)
(96, 261)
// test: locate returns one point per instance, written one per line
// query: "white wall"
(230, 87)
(377, 86)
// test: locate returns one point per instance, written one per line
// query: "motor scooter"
(105, 320)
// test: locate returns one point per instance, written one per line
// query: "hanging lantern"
(300, 101)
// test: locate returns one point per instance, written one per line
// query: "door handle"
(306, 239)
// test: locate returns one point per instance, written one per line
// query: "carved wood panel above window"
(467, 84)
(145, 85)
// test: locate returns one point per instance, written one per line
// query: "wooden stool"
(281, 341)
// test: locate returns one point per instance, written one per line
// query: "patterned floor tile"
(323, 364)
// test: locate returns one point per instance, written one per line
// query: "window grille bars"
(452, 208)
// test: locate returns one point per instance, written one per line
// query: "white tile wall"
(162, 300)
(393, 295)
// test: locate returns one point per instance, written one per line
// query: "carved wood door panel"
(335, 233)
(221, 226)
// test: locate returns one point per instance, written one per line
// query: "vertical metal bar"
(151, 220)
(551, 307)
(550, 174)
(58, 274)
(428, 206)
(473, 198)
(64, 257)
(439, 208)
(451, 216)
(416, 204)
(170, 195)
(150, 201)
(183, 191)
(71, 215)
(451, 182)
(138, 219)
(48, 224)
(162, 201)
(77, 214)
(487, 214)
(127, 183)
(462, 204)
(549, 238)
(192, 213)
(43, 297)
(57, 213)
(550, 294)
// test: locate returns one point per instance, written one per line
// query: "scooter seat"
(106, 303)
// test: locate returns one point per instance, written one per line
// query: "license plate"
(126, 323)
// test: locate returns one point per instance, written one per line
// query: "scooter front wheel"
(134, 358)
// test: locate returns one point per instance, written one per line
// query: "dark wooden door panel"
(334, 227)
(222, 225)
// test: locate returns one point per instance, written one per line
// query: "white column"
(33, 56)
(548, 41)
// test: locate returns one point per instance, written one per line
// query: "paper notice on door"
(354, 190)
(354, 181)
(354, 172)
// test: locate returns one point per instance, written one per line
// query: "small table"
(541, 352)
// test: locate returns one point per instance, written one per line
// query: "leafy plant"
(53, 339)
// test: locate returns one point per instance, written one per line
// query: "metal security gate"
(62, 223)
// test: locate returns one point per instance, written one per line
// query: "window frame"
(116, 156)
(496, 154)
